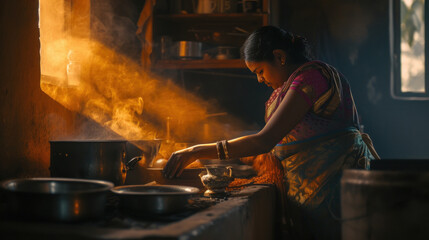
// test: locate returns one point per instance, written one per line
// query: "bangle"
(220, 151)
(225, 148)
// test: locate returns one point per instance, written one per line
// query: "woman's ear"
(280, 56)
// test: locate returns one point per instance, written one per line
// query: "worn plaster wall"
(28, 117)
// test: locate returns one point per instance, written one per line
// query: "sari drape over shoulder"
(313, 160)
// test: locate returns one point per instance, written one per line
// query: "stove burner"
(118, 218)
(115, 217)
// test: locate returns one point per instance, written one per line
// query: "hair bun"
(297, 39)
(300, 46)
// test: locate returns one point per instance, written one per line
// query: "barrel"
(384, 204)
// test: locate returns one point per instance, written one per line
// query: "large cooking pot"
(56, 199)
(99, 159)
(155, 199)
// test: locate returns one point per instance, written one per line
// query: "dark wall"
(114, 23)
(28, 117)
(354, 37)
(237, 92)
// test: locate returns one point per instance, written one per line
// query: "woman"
(311, 127)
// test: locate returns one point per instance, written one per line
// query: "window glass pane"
(53, 42)
(412, 46)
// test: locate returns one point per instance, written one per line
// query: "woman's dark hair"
(260, 44)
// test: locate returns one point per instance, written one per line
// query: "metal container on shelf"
(187, 50)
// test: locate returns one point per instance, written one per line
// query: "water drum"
(385, 204)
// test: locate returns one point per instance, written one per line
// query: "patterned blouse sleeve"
(311, 85)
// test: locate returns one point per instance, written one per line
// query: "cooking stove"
(113, 219)
(237, 216)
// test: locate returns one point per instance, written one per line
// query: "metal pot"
(159, 199)
(103, 160)
(187, 50)
(58, 199)
(99, 159)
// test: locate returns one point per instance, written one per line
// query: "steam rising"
(88, 77)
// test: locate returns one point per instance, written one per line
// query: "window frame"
(395, 54)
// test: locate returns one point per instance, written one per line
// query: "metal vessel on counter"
(216, 179)
(385, 204)
(98, 159)
(55, 199)
(154, 199)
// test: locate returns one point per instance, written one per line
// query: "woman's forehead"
(253, 65)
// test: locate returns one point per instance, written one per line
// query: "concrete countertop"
(247, 214)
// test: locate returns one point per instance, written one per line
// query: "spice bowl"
(216, 179)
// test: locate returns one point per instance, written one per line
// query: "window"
(64, 30)
(53, 42)
(409, 78)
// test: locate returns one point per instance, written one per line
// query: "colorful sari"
(313, 160)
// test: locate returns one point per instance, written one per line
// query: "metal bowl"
(158, 199)
(57, 199)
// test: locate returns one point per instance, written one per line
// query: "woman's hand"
(177, 162)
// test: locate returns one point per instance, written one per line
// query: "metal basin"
(57, 199)
(162, 199)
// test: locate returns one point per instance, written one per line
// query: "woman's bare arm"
(291, 110)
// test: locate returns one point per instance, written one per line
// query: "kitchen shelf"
(212, 29)
(211, 15)
(199, 64)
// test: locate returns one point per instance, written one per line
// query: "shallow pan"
(158, 199)
(56, 199)
(189, 177)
